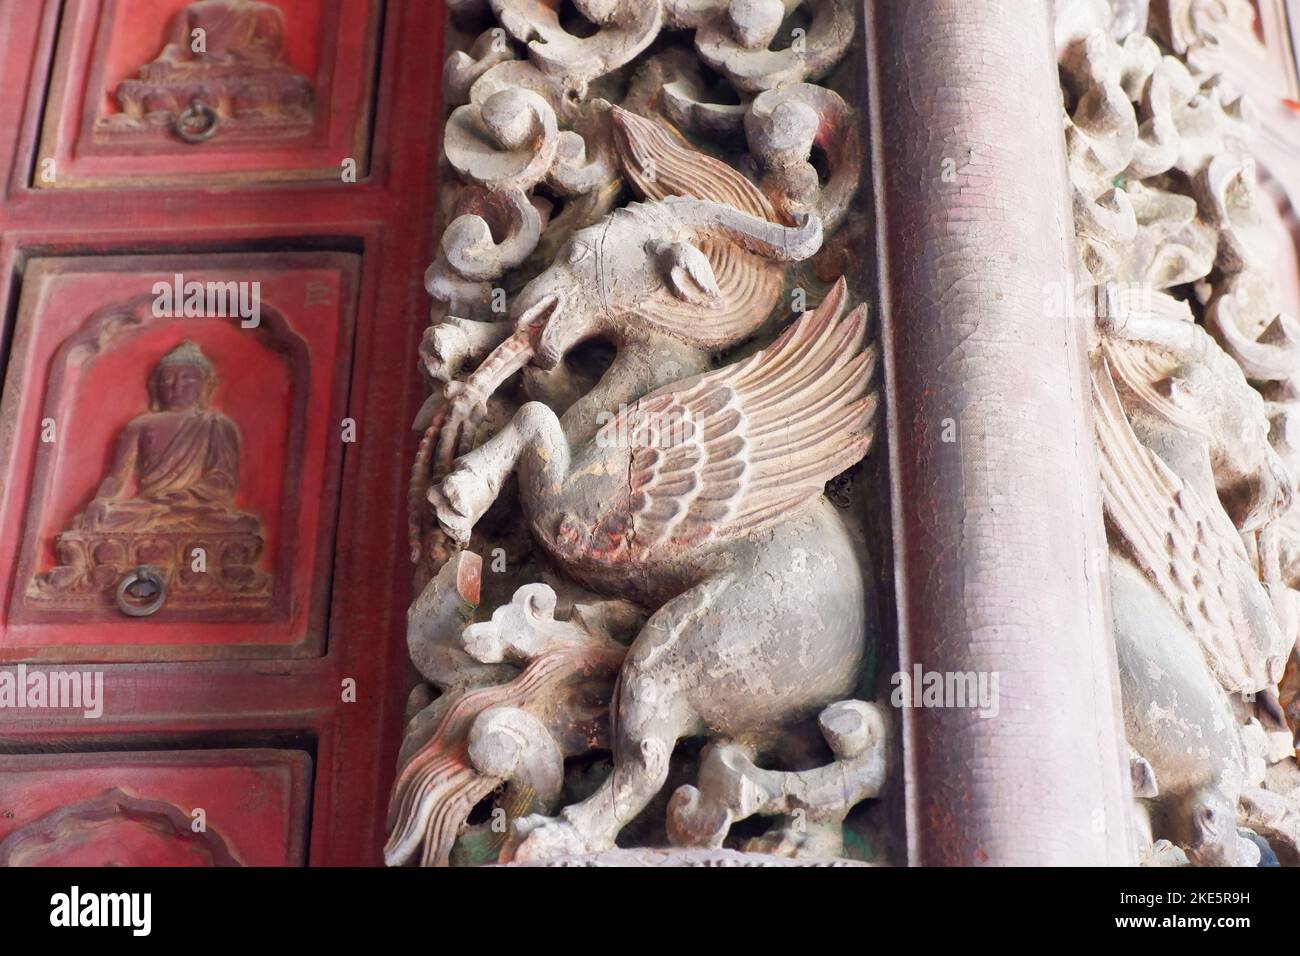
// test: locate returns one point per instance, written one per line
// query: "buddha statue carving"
(222, 68)
(170, 489)
(182, 456)
(237, 34)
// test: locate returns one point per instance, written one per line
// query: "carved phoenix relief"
(645, 529)
(1198, 489)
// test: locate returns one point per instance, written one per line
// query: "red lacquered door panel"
(159, 91)
(266, 689)
(235, 507)
(171, 808)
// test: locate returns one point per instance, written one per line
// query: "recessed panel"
(155, 92)
(175, 456)
(166, 808)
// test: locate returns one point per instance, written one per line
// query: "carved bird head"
(644, 269)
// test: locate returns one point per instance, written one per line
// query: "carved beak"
(551, 335)
(537, 315)
(516, 351)
(534, 322)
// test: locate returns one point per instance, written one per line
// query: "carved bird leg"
(653, 712)
(467, 400)
(812, 803)
(475, 481)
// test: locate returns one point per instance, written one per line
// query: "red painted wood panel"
(386, 219)
(170, 808)
(106, 48)
(86, 346)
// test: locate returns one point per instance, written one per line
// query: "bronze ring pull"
(141, 592)
(197, 123)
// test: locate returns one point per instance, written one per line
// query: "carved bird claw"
(812, 803)
(459, 500)
(466, 407)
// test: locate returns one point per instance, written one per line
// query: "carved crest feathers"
(660, 166)
(659, 163)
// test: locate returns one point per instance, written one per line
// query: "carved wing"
(1187, 546)
(737, 449)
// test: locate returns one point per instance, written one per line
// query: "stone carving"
(623, 513)
(672, 571)
(521, 692)
(685, 858)
(782, 126)
(678, 298)
(170, 488)
(676, 81)
(222, 70)
(1194, 625)
(732, 788)
(522, 127)
(1189, 26)
(625, 28)
(1198, 487)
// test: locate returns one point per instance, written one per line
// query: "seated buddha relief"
(182, 457)
(167, 503)
(222, 68)
(237, 35)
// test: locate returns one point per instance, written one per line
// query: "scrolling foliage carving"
(640, 617)
(1193, 371)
